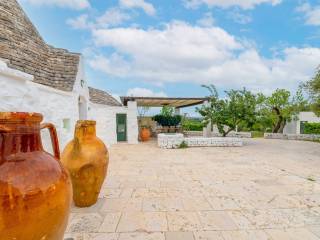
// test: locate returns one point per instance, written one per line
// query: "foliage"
(312, 128)
(192, 125)
(313, 87)
(279, 108)
(167, 111)
(239, 107)
(166, 118)
(182, 145)
(257, 134)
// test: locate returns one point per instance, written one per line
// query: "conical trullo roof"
(25, 50)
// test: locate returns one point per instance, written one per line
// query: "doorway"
(121, 127)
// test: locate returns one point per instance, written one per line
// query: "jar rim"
(86, 122)
(8, 117)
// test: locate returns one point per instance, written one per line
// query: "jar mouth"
(20, 117)
(86, 123)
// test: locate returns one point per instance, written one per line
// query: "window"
(66, 124)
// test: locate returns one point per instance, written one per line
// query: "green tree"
(280, 108)
(313, 87)
(237, 108)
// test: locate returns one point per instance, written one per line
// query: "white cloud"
(207, 20)
(81, 22)
(148, 8)
(240, 18)
(312, 14)
(245, 4)
(73, 4)
(112, 17)
(144, 92)
(201, 55)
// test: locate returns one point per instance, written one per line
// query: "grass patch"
(311, 179)
(183, 145)
(256, 134)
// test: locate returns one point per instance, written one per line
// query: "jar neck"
(85, 131)
(18, 138)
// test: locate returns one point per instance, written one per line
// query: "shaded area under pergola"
(164, 101)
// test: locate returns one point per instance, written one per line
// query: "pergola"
(164, 101)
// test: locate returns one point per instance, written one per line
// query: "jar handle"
(54, 138)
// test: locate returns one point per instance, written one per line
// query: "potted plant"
(145, 133)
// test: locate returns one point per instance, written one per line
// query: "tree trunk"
(277, 127)
(227, 132)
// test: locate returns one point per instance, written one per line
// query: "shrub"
(192, 125)
(166, 120)
(311, 128)
(183, 145)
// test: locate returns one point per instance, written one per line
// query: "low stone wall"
(174, 140)
(234, 134)
(308, 137)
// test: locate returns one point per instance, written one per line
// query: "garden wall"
(307, 137)
(174, 140)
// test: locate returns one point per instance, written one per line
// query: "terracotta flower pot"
(35, 190)
(145, 134)
(86, 157)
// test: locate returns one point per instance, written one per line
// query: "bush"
(311, 128)
(183, 145)
(166, 120)
(191, 125)
(257, 134)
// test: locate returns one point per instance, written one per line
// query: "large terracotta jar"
(35, 189)
(145, 134)
(86, 157)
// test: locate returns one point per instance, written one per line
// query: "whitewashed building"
(296, 126)
(36, 77)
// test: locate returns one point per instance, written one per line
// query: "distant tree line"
(246, 111)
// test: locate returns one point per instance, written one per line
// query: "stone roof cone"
(25, 50)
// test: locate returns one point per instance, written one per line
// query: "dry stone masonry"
(303, 137)
(26, 51)
(174, 140)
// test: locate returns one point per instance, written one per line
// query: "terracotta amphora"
(35, 189)
(145, 134)
(86, 157)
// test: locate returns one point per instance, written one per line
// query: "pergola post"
(177, 111)
(206, 132)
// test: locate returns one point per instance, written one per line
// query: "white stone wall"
(174, 140)
(19, 93)
(107, 125)
(309, 137)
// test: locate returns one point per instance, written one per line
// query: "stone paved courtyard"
(268, 189)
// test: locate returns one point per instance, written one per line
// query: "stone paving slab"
(268, 190)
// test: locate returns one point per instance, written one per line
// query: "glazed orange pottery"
(35, 190)
(86, 157)
(145, 134)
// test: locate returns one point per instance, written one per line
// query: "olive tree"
(313, 87)
(238, 107)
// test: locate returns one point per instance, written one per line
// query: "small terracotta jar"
(86, 157)
(145, 134)
(35, 189)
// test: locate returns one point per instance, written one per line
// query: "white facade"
(107, 125)
(18, 92)
(293, 127)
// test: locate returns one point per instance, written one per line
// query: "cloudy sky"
(171, 47)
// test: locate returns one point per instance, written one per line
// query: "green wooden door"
(121, 127)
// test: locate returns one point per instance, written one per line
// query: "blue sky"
(171, 47)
